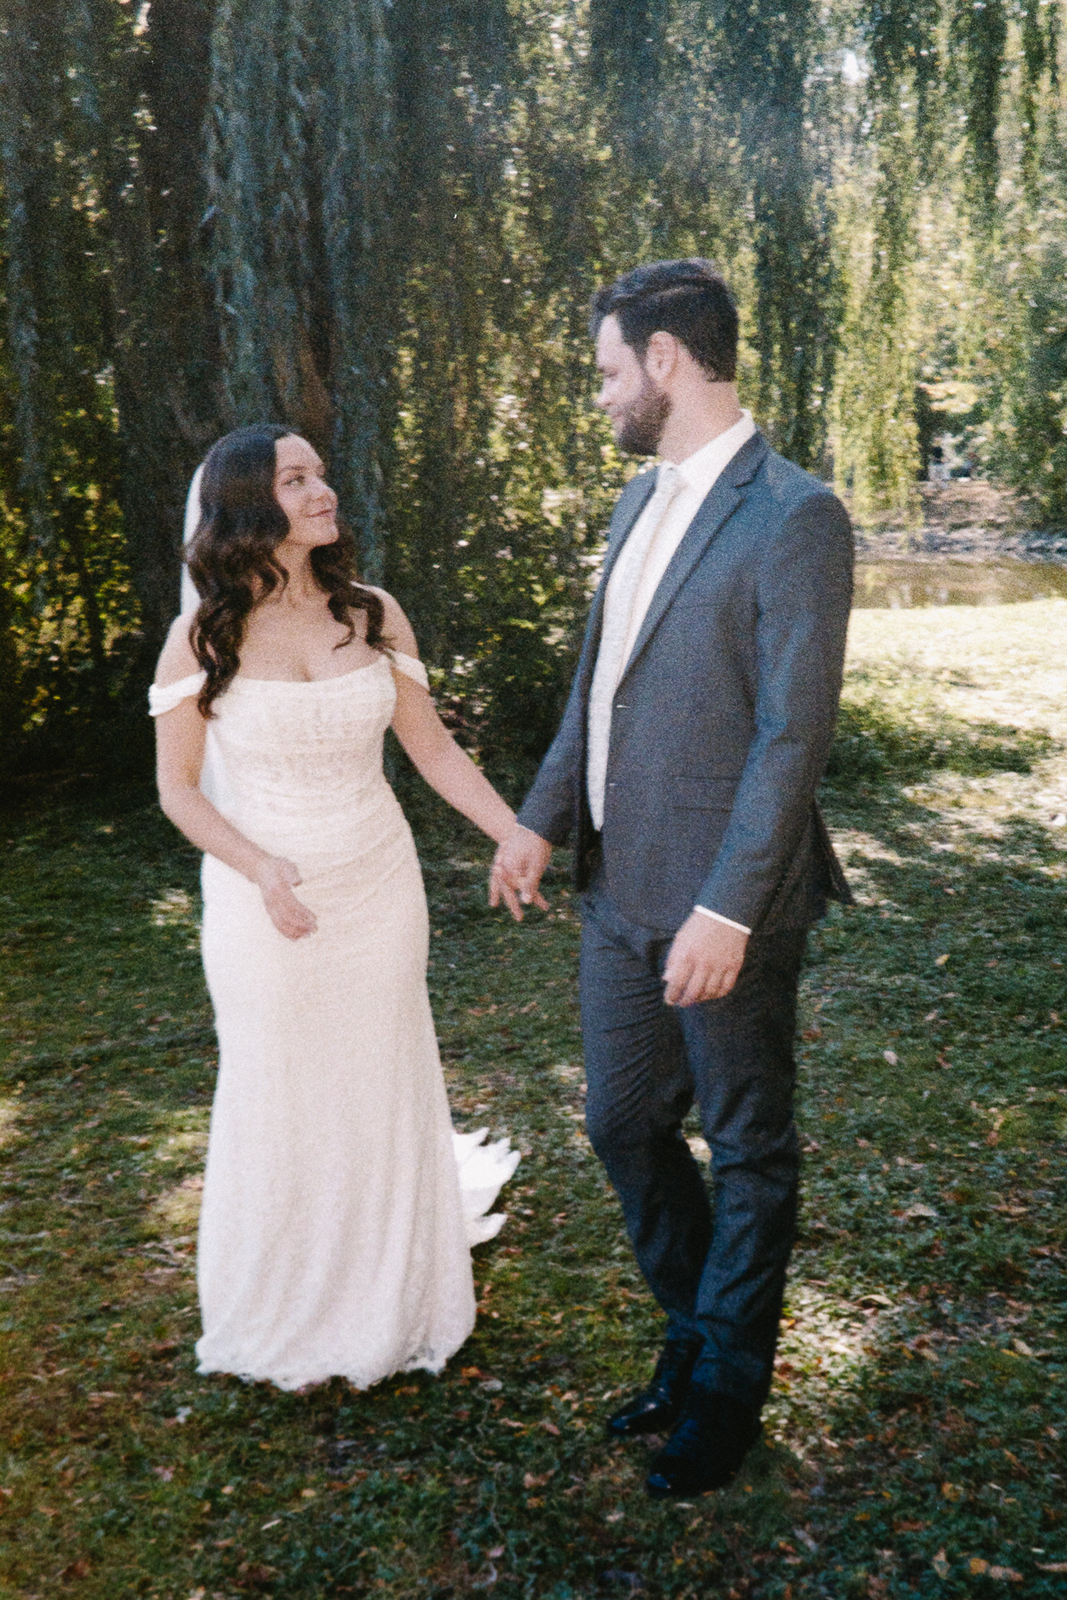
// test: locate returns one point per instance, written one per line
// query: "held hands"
(520, 860)
(704, 961)
(276, 879)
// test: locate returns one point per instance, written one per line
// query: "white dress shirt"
(699, 473)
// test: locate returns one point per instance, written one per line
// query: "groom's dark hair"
(688, 299)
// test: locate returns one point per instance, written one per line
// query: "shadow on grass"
(873, 744)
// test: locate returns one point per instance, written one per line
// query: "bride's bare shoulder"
(177, 659)
(396, 629)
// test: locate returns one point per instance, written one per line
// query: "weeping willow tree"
(104, 352)
(958, 120)
(302, 165)
(877, 436)
(57, 437)
(499, 487)
(382, 223)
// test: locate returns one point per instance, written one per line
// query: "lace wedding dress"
(338, 1206)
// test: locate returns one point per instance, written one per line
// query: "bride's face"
(303, 494)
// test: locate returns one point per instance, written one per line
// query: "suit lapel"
(721, 503)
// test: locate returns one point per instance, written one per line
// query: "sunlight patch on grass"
(9, 1111)
(174, 908)
(179, 1208)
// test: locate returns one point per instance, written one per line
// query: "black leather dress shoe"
(657, 1407)
(713, 1436)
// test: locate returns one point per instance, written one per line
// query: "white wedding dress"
(338, 1206)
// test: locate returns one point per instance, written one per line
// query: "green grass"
(917, 1424)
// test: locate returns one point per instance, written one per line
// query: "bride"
(333, 1238)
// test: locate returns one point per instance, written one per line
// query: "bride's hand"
(276, 879)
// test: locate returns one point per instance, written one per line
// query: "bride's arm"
(439, 759)
(180, 735)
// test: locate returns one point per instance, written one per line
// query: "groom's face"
(638, 408)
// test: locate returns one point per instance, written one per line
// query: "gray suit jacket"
(723, 717)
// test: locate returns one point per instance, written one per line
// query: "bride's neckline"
(302, 683)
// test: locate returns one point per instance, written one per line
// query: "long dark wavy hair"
(231, 557)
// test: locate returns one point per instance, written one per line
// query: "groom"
(684, 774)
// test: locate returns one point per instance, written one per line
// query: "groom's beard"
(641, 426)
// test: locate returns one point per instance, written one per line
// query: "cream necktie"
(618, 608)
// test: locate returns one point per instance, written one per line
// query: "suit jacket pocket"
(704, 794)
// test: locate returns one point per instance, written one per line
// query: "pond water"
(896, 585)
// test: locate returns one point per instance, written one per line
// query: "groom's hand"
(520, 860)
(704, 961)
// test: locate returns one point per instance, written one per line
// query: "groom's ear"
(662, 355)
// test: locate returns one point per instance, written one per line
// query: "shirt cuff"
(717, 917)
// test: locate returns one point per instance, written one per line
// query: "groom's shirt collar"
(703, 467)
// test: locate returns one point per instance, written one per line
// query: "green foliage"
(979, 38)
(1033, 452)
(66, 608)
(383, 222)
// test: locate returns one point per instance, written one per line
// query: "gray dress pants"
(717, 1270)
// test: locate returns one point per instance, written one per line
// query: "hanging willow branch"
(300, 157)
(28, 101)
(979, 34)
(761, 59)
(626, 51)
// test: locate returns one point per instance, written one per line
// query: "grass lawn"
(915, 1439)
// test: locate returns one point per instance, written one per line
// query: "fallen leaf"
(909, 1525)
(1051, 1566)
(534, 1480)
(891, 1056)
(1005, 1575)
(976, 1566)
(550, 1427)
(953, 1492)
(80, 1569)
(496, 1552)
(940, 1564)
(256, 1572)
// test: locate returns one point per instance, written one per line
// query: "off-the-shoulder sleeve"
(410, 666)
(160, 700)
